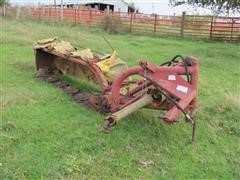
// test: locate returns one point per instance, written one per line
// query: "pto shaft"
(115, 117)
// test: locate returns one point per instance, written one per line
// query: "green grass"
(46, 135)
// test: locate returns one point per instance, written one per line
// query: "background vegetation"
(44, 134)
(2, 2)
(217, 6)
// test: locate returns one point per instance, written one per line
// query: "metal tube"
(117, 116)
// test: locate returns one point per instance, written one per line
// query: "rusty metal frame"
(44, 57)
(156, 75)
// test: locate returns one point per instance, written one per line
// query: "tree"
(131, 6)
(217, 6)
(2, 2)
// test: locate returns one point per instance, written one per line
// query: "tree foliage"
(217, 6)
(2, 2)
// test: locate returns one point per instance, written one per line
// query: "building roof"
(112, 2)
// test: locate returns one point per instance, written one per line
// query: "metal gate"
(225, 28)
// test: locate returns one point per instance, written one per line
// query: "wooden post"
(61, 10)
(49, 13)
(155, 23)
(232, 29)
(131, 19)
(44, 13)
(30, 12)
(4, 10)
(39, 13)
(211, 28)
(90, 15)
(55, 14)
(55, 4)
(75, 16)
(108, 8)
(18, 12)
(182, 24)
(78, 15)
(174, 19)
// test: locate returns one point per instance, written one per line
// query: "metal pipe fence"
(208, 27)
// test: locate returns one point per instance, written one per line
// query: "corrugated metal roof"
(111, 2)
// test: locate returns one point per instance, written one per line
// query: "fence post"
(61, 10)
(78, 17)
(211, 28)
(30, 12)
(232, 29)
(39, 10)
(44, 15)
(75, 16)
(155, 23)
(90, 14)
(107, 9)
(131, 19)
(18, 12)
(4, 10)
(90, 17)
(49, 13)
(182, 23)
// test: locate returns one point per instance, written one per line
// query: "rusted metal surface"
(80, 69)
(159, 76)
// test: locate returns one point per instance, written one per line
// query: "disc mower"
(171, 86)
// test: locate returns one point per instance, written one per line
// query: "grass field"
(45, 135)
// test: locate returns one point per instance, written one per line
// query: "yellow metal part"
(112, 66)
(54, 43)
(85, 54)
(45, 43)
(63, 47)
